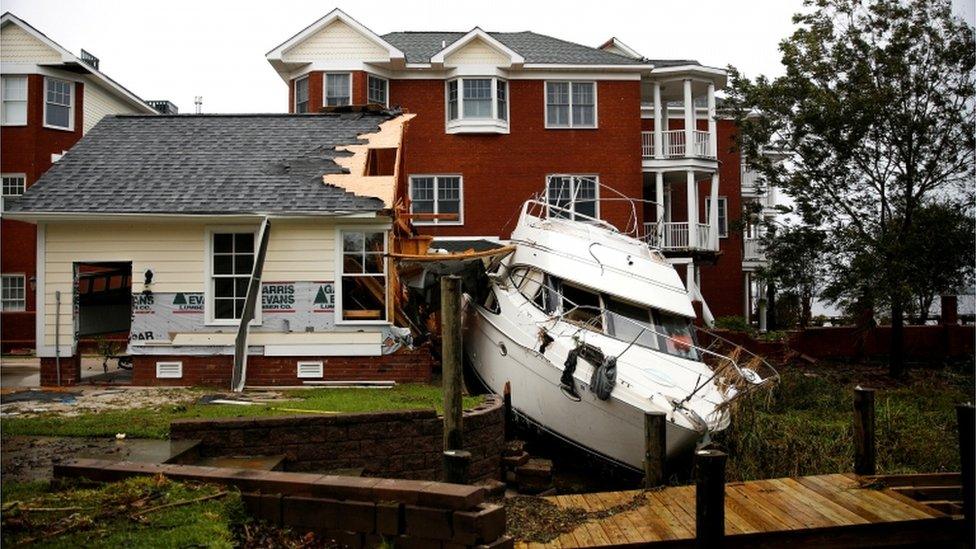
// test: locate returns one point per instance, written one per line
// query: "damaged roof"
(419, 47)
(205, 164)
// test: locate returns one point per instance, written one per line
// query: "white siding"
(17, 46)
(337, 41)
(300, 250)
(477, 52)
(99, 103)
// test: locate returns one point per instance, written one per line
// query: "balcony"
(752, 250)
(674, 236)
(674, 143)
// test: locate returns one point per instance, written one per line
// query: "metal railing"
(675, 145)
(676, 236)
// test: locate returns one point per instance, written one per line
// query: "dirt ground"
(80, 401)
(32, 458)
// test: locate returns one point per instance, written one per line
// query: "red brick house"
(502, 116)
(50, 98)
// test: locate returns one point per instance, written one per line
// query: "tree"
(795, 263)
(876, 109)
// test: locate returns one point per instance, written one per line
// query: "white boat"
(577, 286)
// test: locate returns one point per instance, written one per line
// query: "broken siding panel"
(337, 41)
(477, 52)
(18, 46)
(99, 103)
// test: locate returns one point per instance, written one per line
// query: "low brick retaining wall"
(401, 444)
(356, 512)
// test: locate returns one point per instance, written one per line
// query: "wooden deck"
(819, 511)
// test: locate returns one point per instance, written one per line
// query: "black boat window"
(582, 307)
(491, 302)
(629, 322)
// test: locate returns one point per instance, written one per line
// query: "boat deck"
(817, 511)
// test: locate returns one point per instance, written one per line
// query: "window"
(723, 215)
(13, 185)
(676, 335)
(231, 264)
(629, 322)
(477, 105)
(301, 95)
(363, 281)
(437, 194)
(338, 89)
(570, 104)
(58, 104)
(574, 194)
(377, 90)
(582, 307)
(14, 94)
(13, 293)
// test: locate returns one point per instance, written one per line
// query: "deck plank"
(828, 512)
(611, 529)
(622, 521)
(873, 500)
(846, 499)
(673, 514)
(746, 498)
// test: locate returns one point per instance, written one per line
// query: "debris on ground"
(536, 519)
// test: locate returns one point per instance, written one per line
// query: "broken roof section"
(273, 164)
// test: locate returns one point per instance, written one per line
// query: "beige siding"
(300, 250)
(99, 103)
(477, 52)
(17, 46)
(337, 41)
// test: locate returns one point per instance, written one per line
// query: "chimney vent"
(163, 106)
(89, 59)
(198, 102)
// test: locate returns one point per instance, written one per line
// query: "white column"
(712, 133)
(659, 196)
(690, 280)
(689, 120)
(713, 214)
(692, 190)
(658, 122)
(746, 298)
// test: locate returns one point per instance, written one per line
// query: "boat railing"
(544, 210)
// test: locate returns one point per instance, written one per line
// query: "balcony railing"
(676, 236)
(674, 144)
(753, 250)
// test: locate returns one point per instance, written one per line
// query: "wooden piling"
(966, 418)
(456, 463)
(451, 360)
(509, 419)
(864, 442)
(655, 448)
(709, 498)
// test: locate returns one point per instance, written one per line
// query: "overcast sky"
(178, 49)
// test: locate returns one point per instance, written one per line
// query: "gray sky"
(178, 49)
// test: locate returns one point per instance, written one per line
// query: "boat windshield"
(627, 321)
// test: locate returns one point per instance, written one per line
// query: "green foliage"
(106, 516)
(805, 427)
(795, 263)
(734, 324)
(154, 423)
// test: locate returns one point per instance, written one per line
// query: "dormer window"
(477, 105)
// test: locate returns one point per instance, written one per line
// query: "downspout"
(57, 335)
(239, 374)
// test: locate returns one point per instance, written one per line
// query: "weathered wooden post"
(509, 423)
(709, 498)
(864, 444)
(451, 360)
(655, 448)
(456, 464)
(966, 418)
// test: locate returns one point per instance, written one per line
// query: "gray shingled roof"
(204, 164)
(419, 47)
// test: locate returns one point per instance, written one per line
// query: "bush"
(734, 324)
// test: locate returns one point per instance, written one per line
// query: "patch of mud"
(32, 458)
(34, 403)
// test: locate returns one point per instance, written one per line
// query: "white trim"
(26, 99)
(325, 88)
(614, 42)
(24, 286)
(277, 52)
(596, 196)
(492, 124)
(39, 289)
(325, 349)
(161, 374)
(723, 205)
(386, 85)
(308, 98)
(437, 177)
(71, 107)
(338, 265)
(571, 125)
(208, 308)
(20, 175)
(426, 72)
(315, 374)
(476, 33)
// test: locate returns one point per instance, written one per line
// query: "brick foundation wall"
(401, 444)
(403, 366)
(70, 370)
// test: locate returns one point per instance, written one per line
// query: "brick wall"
(70, 370)
(401, 444)
(403, 366)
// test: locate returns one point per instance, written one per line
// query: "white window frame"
(23, 286)
(325, 88)
(315, 363)
(492, 124)
(596, 197)
(386, 88)
(572, 125)
(178, 364)
(3, 191)
(208, 297)
(339, 264)
(25, 101)
(307, 98)
(723, 205)
(437, 177)
(71, 107)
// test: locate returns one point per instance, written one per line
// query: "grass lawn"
(122, 514)
(805, 426)
(154, 422)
